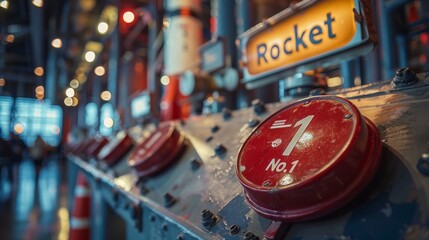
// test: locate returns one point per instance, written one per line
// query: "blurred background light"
(165, 80)
(39, 71)
(18, 128)
(57, 43)
(74, 83)
(99, 71)
(10, 38)
(38, 3)
(128, 17)
(102, 28)
(90, 56)
(4, 4)
(108, 122)
(68, 101)
(105, 95)
(70, 92)
(335, 82)
(75, 101)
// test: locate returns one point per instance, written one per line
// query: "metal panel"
(393, 206)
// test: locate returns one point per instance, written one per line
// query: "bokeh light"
(165, 80)
(90, 56)
(128, 17)
(105, 95)
(102, 28)
(108, 122)
(99, 71)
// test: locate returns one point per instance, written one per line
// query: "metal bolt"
(165, 227)
(258, 106)
(404, 77)
(208, 219)
(215, 128)
(180, 237)
(220, 149)
(234, 229)
(226, 113)
(266, 183)
(152, 218)
(250, 236)
(423, 164)
(307, 102)
(253, 122)
(169, 200)
(348, 116)
(143, 189)
(209, 138)
(195, 164)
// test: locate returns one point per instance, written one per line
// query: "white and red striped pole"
(80, 220)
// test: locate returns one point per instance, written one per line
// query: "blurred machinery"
(348, 163)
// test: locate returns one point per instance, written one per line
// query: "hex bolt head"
(250, 236)
(226, 112)
(165, 227)
(253, 122)
(195, 164)
(208, 219)
(215, 128)
(404, 77)
(169, 200)
(220, 149)
(209, 138)
(234, 229)
(258, 106)
(180, 237)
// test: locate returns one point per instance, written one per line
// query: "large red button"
(158, 150)
(308, 159)
(117, 147)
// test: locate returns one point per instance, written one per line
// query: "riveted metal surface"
(394, 205)
(158, 150)
(308, 159)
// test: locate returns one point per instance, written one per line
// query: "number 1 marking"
(304, 124)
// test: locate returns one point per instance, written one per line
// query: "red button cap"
(158, 150)
(81, 149)
(116, 148)
(96, 146)
(308, 159)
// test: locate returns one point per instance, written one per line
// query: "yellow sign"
(326, 26)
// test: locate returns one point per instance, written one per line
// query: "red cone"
(80, 220)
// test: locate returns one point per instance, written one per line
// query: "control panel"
(349, 165)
